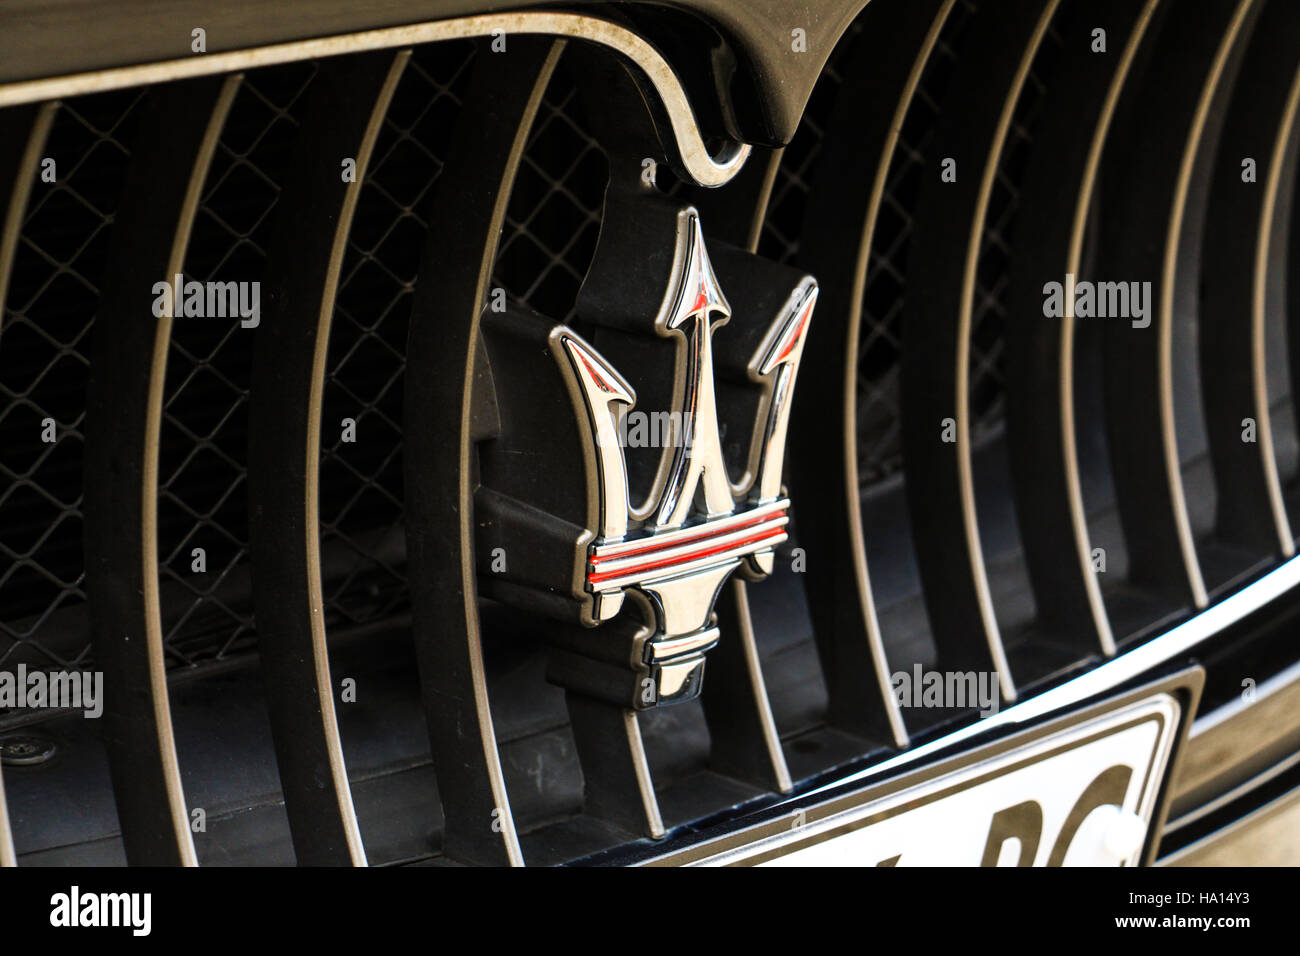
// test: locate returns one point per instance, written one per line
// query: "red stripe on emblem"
(651, 545)
(686, 558)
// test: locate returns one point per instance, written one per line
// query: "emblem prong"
(697, 464)
(777, 360)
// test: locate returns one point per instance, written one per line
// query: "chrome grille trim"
(1139, 407)
(705, 168)
(850, 643)
(1260, 122)
(1044, 444)
(937, 340)
(348, 101)
(123, 425)
(455, 271)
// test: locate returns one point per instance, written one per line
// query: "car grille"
(984, 553)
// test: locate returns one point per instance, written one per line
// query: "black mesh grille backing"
(203, 498)
(361, 480)
(879, 431)
(987, 335)
(554, 213)
(879, 434)
(550, 234)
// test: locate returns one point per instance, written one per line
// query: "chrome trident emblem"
(698, 525)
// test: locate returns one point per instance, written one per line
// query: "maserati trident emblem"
(698, 526)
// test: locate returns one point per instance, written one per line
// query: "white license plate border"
(796, 825)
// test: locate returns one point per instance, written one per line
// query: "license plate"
(1081, 790)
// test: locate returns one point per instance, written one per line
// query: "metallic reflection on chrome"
(694, 536)
(707, 169)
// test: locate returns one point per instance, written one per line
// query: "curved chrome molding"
(851, 349)
(1068, 433)
(455, 269)
(758, 686)
(704, 168)
(149, 533)
(149, 496)
(1259, 295)
(964, 464)
(1173, 467)
(124, 424)
(345, 110)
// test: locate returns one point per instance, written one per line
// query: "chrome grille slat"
(42, 583)
(348, 100)
(456, 266)
(1044, 453)
(7, 857)
(937, 337)
(745, 740)
(839, 231)
(619, 785)
(125, 414)
(203, 495)
(1239, 233)
(1144, 202)
(1290, 268)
